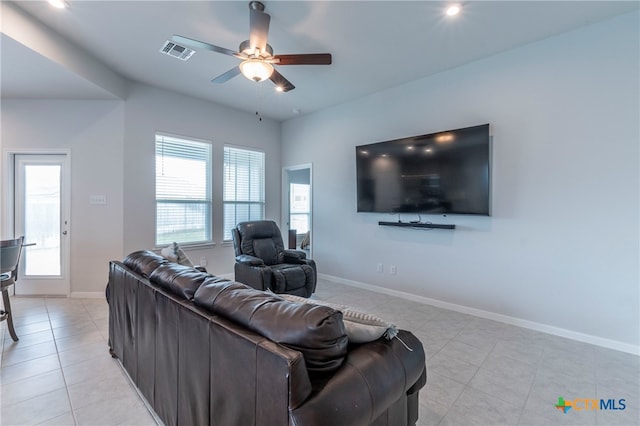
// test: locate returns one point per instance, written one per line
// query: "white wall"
(112, 153)
(149, 110)
(561, 248)
(93, 132)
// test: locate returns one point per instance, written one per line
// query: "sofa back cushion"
(316, 331)
(262, 239)
(144, 262)
(181, 280)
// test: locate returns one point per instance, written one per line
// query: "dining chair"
(9, 258)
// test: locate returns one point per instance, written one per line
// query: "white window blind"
(243, 187)
(183, 191)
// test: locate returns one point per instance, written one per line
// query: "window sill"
(194, 246)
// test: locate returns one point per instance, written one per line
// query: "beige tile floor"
(480, 372)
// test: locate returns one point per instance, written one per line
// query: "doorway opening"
(298, 207)
(38, 209)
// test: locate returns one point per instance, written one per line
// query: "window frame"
(227, 239)
(208, 200)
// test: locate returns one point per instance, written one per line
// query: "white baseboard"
(87, 295)
(557, 331)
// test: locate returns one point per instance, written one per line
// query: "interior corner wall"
(112, 149)
(561, 246)
(150, 110)
(92, 130)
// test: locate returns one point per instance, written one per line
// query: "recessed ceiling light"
(58, 4)
(453, 10)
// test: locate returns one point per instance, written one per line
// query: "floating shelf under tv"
(417, 225)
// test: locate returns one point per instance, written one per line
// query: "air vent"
(172, 49)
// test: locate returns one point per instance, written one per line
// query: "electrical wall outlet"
(203, 261)
(380, 267)
(393, 269)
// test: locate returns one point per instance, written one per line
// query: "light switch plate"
(97, 200)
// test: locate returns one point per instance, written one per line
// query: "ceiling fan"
(256, 54)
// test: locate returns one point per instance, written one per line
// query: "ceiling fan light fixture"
(58, 4)
(453, 9)
(256, 70)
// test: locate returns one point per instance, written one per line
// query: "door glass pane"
(42, 220)
(300, 222)
(300, 207)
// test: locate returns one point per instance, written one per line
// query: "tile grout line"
(465, 384)
(595, 378)
(128, 379)
(64, 379)
(545, 348)
(468, 384)
(526, 400)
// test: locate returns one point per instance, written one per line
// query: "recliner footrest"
(291, 277)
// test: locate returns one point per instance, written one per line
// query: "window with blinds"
(183, 191)
(243, 187)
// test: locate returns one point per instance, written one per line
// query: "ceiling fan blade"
(304, 59)
(280, 81)
(258, 26)
(196, 44)
(222, 78)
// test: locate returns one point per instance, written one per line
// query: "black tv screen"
(438, 173)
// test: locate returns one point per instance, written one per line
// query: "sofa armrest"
(294, 256)
(246, 259)
(375, 375)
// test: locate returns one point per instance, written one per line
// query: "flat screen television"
(440, 173)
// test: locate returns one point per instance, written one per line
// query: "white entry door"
(42, 216)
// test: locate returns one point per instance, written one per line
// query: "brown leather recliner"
(263, 263)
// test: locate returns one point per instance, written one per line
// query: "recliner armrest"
(246, 259)
(294, 256)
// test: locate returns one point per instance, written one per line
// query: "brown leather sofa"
(207, 351)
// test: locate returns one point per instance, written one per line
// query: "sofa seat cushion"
(181, 280)
(144, 262)
(316, 331)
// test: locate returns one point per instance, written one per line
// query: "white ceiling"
(27, 74)
(375, 45)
